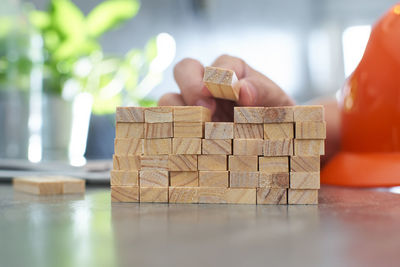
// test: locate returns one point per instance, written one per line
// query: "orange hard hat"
(370, 113)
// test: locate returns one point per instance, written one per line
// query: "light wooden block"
(153, 178)
(130, 114)
(212, 162)
(182, 162)
(305, 180)
(128, 146)
(191, 146)
(241, 179)
(38, 185)
(216, 147)
(272, 196)
(248, 146)
(303, 147)
(129, 130)
(124, 193)
(189, 129)
(276, 131)
(212, 195)
(248, 131)
(305, 164)
(124, 178)
(126, 163)
(154, 194)
(308, 113)
(248, 114)
(158, 114)
(222, 83)
(274, 180)
(183, 195)
(218, 130)
(214, 179)
(278, 114)
(159, 162)
(181, 179)
(158, 130)
(191, 114)
(273, 164)
(161, 146)
(283, 147)
(241, 196)
(243, 163)
(72, 185)
(303, 196)
(311, 130)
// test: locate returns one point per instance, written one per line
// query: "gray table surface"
(350, 227)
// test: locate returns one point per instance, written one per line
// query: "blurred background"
(65, 65)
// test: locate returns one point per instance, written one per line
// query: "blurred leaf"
(110, 14)
(6, 24)
(40, 19)
(151, 50)
(68, 19)
(51, 39)
(105, 105)
(147, 102)
(74, 48)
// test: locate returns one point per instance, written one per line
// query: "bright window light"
(166, 49)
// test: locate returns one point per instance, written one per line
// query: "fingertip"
(209, 103)
(247, 94)
(171, 99)
(205, 92)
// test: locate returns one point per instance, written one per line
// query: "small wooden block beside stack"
(49, 185)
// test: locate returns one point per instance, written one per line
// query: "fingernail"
(207, 102)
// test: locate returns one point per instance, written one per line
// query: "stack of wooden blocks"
(268, 155)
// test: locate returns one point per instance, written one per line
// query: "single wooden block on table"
(303, 196)
(273, 164)
(248, 131)
(243, 163)
(154, 194)
(191, 114)
(214, 179)
(129, 130)
(241, 179)
(158, 114)
(190, 146)
(183, 195)
(222, 83)
(305, 180)
(248, 114)
(159, 162)
(309, 147)
(72, 185)
(241, 196)
(218, 130)
(308, 113)
(248, 146)
(126, 163)
(212, 163)
(130, 114)
(283, 147)
(124, 193)
(38, 185)
(212, 195)
(278, 114)
(273, 180)
(305, 163)
(124, 178)
(272, 196)
(216, 147)
(276, 131)
(189, 129)
(182, 162)
(310, 130)
(158, 130)
(153, 178)
(128, 146)
(160, 146)
(185, 178)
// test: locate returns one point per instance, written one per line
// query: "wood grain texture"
(158, 130)
(278, 114)
(243, 163)
(153, 178)
(310, 147)
(129, 130)
(305, 164)
(159, 162)
(248, 131)
(124, 193)
(272, 196)
(126, 163)
(308, 113)
(241, 196)
(124, 178)
(283, 147)
(130, 114)
(180, 179)
(72, 185)
(273, 164)
(305, 180)
(248, 146)
(189, 129)
(212, 162)
(158, 114)
(248, 114)
(216, 147)
(212, 195)
(276, 131)
(183, 195)
(218, 130)
(241, 179)
(182, 162)
(128, 146)
(214, 179)
(38, 185)
(222, 83)
(161, 146)
(311, 130)
(154, 194)
(302, 196)
(191, 114)
(274, 180)
(190, 146)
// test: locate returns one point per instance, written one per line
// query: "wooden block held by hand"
(241, 179)
(189, 129)
(153, 178)
(129, 130)
(305, 163)
(162, 146)
(152, 162)
(183, 195)
(308, 113)
(273, 180)
(311, 130)
(248, 114)
(218, 130)
(222, 83)
(248, 146)
(184, 179)
(303, 196)
(212, 162)
(278, 114)
(191, 114)
(189, 146)
(128, 146)
(276, 131)
(304, 180)
(248, 131)
(158, 114)
(214, 179)
(130, 114)
(124, 178)
(309, 147)
(158, 130)
(126, 163)
(283, 147)
(243, 163)
(154, 194)
(273, 164)
(216, 147)
(271, 196)
(124, 193)
(182, 162)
